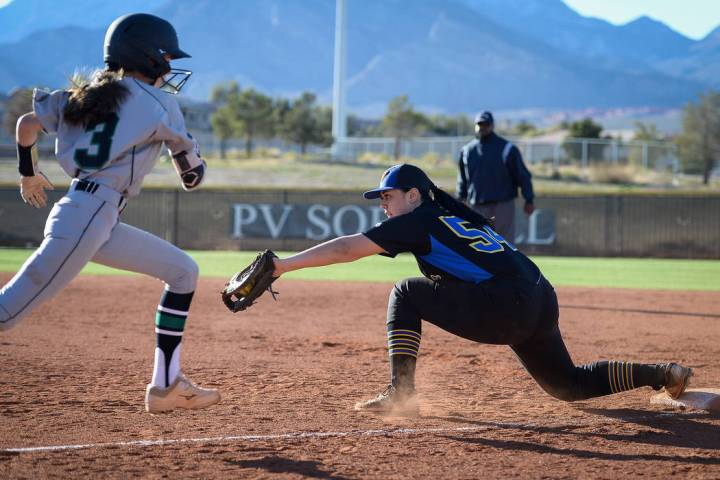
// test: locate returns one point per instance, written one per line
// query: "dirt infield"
(72, 376)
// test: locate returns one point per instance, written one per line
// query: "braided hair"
(415, 177)
(458, 208)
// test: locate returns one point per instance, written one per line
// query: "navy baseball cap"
(401, 176)
(484, 117)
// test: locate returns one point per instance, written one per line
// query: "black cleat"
(391, 401)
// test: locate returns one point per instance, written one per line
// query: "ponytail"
(92, 102)
(458, 208)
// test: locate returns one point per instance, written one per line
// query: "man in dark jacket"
(490, 171)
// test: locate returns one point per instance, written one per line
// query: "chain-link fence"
(581, 152)
(573, 159)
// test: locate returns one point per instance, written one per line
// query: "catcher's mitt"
(245, 287)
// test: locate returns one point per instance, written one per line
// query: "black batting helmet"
(139, 42)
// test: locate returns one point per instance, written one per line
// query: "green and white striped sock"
(170, 320)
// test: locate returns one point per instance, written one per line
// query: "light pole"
(339, 120)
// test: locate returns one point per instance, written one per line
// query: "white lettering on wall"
(243, 214)
(533, 238)
(275, 228)
(338, 218)
(322, 222)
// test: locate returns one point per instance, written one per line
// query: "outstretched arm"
(339, 250)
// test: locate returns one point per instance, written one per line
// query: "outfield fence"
(671, 226)
(579, 152)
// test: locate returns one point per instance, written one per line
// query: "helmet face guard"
(174, 81)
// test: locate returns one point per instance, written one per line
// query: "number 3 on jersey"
(486, 239)
(100, 142)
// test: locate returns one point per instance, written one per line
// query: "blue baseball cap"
(401, 176)
(484, 117)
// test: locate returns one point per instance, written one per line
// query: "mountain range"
(447, 55)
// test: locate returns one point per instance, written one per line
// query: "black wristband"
(25, 162)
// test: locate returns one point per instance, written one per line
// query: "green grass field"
(573, 271)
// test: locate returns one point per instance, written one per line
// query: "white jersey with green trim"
(122, 150)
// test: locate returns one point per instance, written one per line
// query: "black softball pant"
(519, 313)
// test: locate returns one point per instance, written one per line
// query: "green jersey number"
(102, 135)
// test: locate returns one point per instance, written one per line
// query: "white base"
(694, 398)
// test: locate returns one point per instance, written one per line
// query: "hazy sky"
(692, 18)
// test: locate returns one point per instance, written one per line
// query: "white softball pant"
(82, 227)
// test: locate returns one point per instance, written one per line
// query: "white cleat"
(181, 394)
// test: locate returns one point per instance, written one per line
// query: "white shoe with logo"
(181, 394)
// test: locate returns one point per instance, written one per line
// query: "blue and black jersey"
(449, 247)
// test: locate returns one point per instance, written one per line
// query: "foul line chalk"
(252, 438)
(640, 310)
(387, 432)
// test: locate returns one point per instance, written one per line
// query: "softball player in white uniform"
(109, 135)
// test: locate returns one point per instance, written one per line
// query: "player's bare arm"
(32, 182)
(339, 250)
(28, 128)
(249, 284)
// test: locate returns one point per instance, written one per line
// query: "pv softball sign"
(313, 221)
(322, 222)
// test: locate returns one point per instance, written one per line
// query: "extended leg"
(135, 250)
(73, 233)
(546, 358)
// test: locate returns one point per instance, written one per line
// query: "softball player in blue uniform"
(475, 285)
(109, 134)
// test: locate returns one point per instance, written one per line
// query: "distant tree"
(19, 102)
(450, 126)
(324, 116)
(224, 125)
(523, 128)
(699, 142)
(222, 91)
(361, 127)
(584, 128)
(224, 119)
(355, 126)
(281, 108)
(647, 132)
(254, 112)
(306, 123)
(402, 121)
